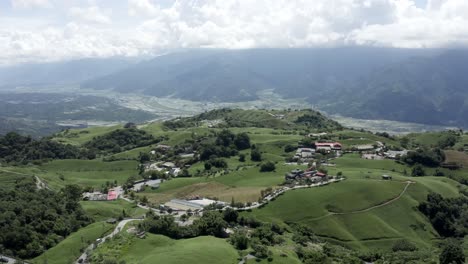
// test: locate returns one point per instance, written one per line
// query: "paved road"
(117, 230)
(10, 260)
(282, 190)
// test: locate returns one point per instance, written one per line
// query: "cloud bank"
(99, 28)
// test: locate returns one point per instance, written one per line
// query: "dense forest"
(23, 149)
(32, 220)
(122, 139)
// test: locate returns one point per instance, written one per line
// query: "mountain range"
(426, 86)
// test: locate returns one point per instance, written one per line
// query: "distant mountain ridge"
(66, 72)
(236, 75)
(430, 90)
(426, 86)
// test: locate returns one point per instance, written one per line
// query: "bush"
(266, 167)
(255, 155)
(403, 245)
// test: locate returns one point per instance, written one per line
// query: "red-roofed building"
(320, 174)
(111, 195)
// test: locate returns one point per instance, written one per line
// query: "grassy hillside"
(92, 173)
(161, 249)
(377, 228)
(101, 211)
(69, 249)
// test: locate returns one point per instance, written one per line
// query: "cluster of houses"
(310, 174)
(390, 154)
(111, 195)
(168, 167)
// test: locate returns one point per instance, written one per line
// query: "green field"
(92, 173)
(377, 228)
(103, 210)
(81, 136)
(68, 250)
(161, 249)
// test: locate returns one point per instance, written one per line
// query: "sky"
(54, 30)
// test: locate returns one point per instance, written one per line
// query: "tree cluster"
(32, 220)
(23, 149)
(121, 140)
(424, 156)
(210, 224)
(449, 216)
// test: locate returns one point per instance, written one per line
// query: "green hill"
(377, 228)
(161, 249)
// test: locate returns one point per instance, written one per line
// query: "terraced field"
(378, 227)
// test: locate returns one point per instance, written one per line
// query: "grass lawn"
(81, 136)
(161, 249)
(68, 250)
(243, 185)
(8, 177)
(103, 210)
(363, 188)
(93, 173)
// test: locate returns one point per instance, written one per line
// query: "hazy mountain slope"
(236, 75)
(425, 90)
(67, 72)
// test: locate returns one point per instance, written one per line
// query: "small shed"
(386, 177)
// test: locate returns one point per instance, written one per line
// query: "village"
(163, 163)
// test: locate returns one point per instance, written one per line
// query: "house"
(174, 172)
(152, 167)
(94, 196)
(372, 157)
(323, 176)
(162, 148)
(305, 153)
(328, 146)
(367, 147)
(111, 221)
(112, 195)
(386, 177)
(168, 165)
(317, 134)
(392, 154)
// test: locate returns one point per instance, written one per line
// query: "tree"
(418, 170)
(452, 253)
(211, 224)
(144, 157)
(255, 155)
(268, 166)
(230, 215)
(242, 157)
(242, 141)
(239, 240)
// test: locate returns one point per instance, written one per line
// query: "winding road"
(83, 258)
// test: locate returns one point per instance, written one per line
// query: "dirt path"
(84, 257)
(39, 183)
(408, 183)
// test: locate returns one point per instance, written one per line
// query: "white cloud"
(150, 26)
(145, 7)
(30, 3)
(92, 14)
